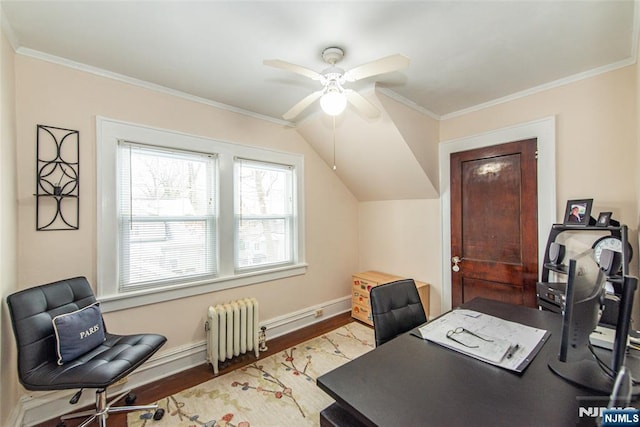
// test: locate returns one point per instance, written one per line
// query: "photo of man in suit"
(574, 215)
(578, 212)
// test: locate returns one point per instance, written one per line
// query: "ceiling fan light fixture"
(333, 102)
(333, 97)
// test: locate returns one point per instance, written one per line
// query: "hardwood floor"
(191, 377)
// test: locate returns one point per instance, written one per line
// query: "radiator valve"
(262, 338)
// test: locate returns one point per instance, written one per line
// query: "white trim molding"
(108, 133)
(37, 407)
(545, 132)
(144, 84)
(543, 87)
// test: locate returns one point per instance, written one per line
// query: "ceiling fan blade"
(298, 69)
(380, 66)
(361, 103)
(300, 106)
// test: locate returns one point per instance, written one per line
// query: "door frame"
(545, 132)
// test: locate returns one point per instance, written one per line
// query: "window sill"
(109, 303)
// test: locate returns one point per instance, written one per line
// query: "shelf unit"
(556, 229)
(553, 296)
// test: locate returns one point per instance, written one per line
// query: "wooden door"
(494, 222)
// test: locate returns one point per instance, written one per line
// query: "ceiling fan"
(333, 96)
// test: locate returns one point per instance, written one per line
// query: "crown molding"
(527, 92)
(543, 87)
(632, 59)
(404, 101)
(144, 84)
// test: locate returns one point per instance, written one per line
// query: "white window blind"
(167, 215)
(264, 211)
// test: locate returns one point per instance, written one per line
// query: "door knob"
(456, 260)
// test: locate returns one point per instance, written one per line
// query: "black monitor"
(577, 361)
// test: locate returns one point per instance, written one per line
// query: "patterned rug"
(279, 390)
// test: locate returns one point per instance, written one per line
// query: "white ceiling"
(464, 54)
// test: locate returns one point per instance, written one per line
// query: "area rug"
(279, 390)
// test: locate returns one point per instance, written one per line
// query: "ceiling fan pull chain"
(334, 142)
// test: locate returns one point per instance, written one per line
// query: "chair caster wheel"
(158, 414)
(130, 399)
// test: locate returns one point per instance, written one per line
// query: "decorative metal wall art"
(57, 178)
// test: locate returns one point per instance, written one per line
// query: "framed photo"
(603, 219)
(578, 212)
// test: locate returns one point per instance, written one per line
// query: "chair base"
(103, 409)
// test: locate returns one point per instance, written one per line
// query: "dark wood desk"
(412, 382)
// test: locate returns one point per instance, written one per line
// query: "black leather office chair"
(32, 311)
(396, 309)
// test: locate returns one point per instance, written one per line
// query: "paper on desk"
(481, 345)
(512, 344)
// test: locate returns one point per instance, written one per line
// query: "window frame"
(126, 218)
(108, 132)
(289, 219)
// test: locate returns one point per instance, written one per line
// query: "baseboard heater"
(231, 329)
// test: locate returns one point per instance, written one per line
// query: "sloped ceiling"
(419, 131)
(464, 55)
(372, 157)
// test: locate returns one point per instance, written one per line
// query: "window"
(180, 215)
(167, 217)
(264, 212)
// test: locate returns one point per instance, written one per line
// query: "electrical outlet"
(319, 312)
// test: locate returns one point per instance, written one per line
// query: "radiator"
(231, 329)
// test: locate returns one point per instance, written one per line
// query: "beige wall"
(54, 95)
(596, 143)
(597, 156)
(596, 134)
(402, 237)
(9, 389)
(596, 140)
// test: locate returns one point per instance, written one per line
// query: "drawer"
(358, 292)
(362, 313)
(363, 285)
(360, 299)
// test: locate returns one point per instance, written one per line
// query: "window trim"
(289, 219)
(108, 132)
(126, 219)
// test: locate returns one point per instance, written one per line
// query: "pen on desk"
(473, 315)
(512, 350)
